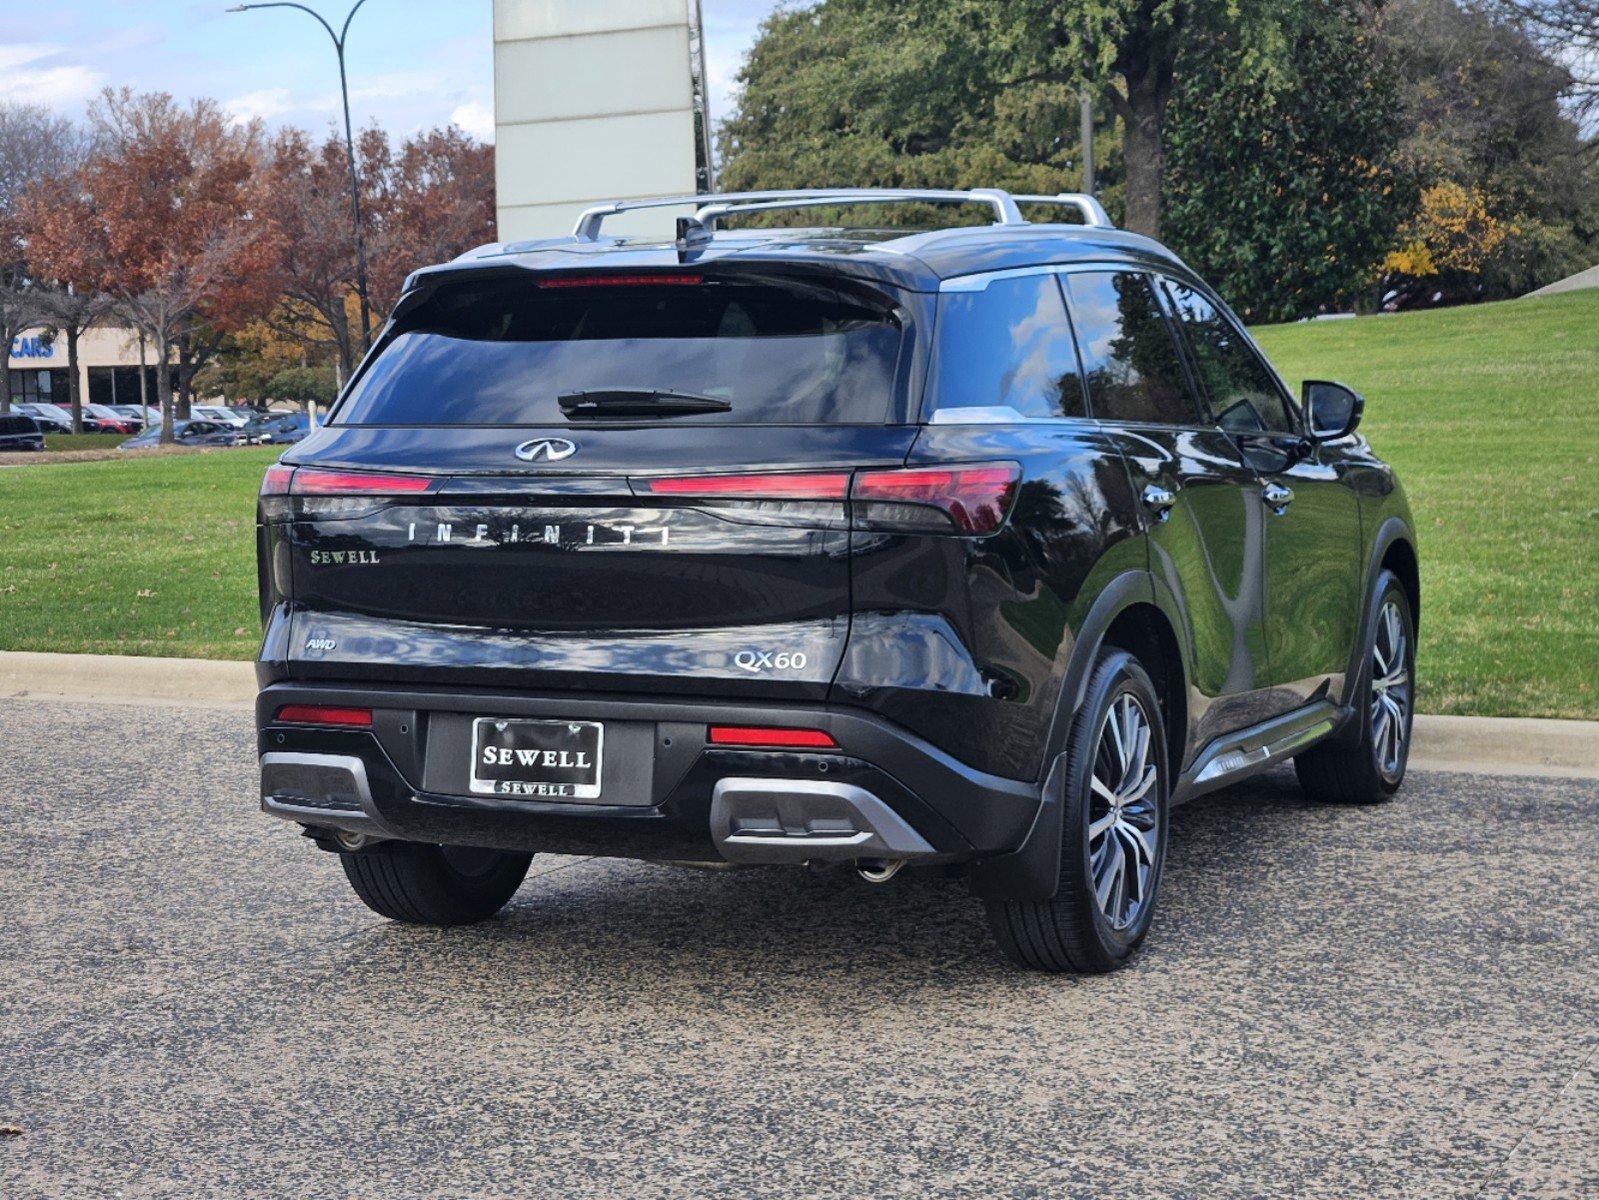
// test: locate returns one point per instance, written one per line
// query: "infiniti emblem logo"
(546, 450)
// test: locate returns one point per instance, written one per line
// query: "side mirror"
(1331, 410)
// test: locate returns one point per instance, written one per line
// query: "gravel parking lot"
(1334, 1002)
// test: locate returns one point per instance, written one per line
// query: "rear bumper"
(884, 794)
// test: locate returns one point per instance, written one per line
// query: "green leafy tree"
(950, 92)
(1286, 192)
(1486, 114)
(303, 386)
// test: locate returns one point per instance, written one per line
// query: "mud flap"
(1032, 871)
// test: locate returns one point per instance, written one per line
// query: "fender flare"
(1032, 870)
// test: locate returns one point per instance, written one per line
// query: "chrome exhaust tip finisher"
(879, 870)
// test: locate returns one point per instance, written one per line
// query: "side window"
(1007, 346)
(1243, 394)
(1129, 357)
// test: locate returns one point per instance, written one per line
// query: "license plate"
(555, 760)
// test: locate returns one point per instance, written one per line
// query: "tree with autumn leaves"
(194, 230)
(424, 202)
(162, 219)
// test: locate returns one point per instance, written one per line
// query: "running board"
(1237, 756)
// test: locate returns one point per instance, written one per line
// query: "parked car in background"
(218, 413)
(279, 428)
(188, 433)
(112, 421)
(18, 431)
(135, 413)
(974, 548)
(48, 417)
(98, 418)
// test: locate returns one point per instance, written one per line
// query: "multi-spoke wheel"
(1390, 688)
(1113, 792)
(1366, 764)
(1123, 820)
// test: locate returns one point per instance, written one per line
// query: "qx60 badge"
(546, 450)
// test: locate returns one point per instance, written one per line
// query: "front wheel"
(1368, 768)
(1113, 845)
(434, 885)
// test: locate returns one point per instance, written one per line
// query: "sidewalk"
(1481, 745)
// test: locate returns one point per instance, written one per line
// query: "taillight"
(283, 480)
(758, 737)
(968, 499)
(777, 485)
(277, 479)
(315, 481)
(325, 714)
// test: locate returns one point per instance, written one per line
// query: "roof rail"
(1093, 211)
(711, 208)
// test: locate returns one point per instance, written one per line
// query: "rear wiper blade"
(619, 403)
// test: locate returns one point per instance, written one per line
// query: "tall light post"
(349, 150)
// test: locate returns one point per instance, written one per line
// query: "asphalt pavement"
(1335, 1002)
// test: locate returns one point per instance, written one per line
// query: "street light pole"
(349, 151)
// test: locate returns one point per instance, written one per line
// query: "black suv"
(975, 548)
(18, 431)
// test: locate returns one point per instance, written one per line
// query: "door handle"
(1159, 501)
(1277, 498)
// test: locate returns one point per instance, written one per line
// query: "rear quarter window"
(1006, 346)
(504, 352)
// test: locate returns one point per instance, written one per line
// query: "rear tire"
(434, 885)
(1367, 765)
(1113, 810)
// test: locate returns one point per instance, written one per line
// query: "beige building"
(108, 368)
(596, 102)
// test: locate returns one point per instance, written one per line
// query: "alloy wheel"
(1390, 689)
(1123, 813)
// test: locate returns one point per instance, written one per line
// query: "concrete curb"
(1481, 745)
(125, 679)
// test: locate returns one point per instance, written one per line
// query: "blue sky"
(413, 63)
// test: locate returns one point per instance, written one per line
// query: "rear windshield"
(505, 351)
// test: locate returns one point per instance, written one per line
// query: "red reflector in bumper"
(324, 714)
(758, 736)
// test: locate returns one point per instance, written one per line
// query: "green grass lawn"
(155, 555)
(1491, 416)
(84, 441)
(1490, 413)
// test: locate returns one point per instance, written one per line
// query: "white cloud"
(397, 85)
(24, 79)
(476, 118)
(263, 105)
(23, 53)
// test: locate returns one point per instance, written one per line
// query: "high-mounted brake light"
(587, 281)
(760, 737)
(324, 714)
(975, 499)
(831, 485)
(314, 481)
